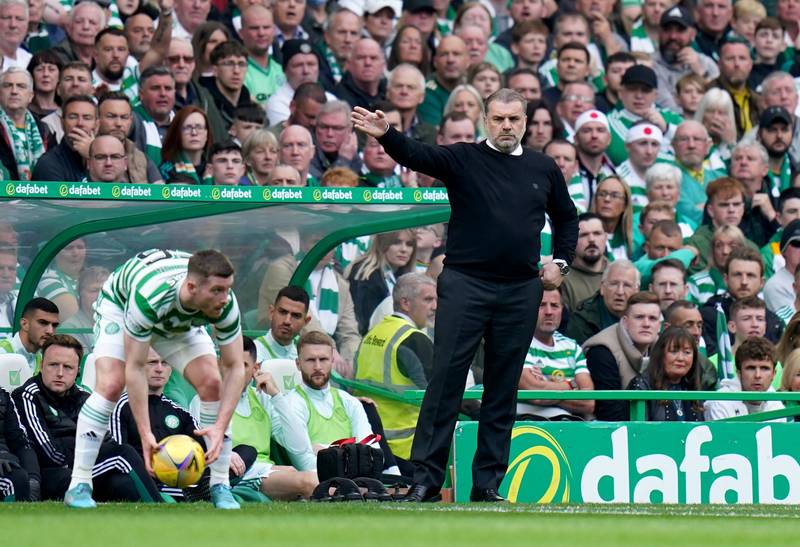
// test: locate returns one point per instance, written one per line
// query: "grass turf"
(390, 524)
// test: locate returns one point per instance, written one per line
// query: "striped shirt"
(55, 283)
(147, 288)
(705, 284)
(560, 362)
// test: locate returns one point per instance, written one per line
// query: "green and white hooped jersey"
(55, 283)
(636, 184)
(621, 120)
(147, 288)
(785, 313)
(348, 251)
(128, 84)
(561, 361)
(705, 284)
(576, 190)
(640, 41)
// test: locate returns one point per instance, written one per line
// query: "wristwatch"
(562, 266)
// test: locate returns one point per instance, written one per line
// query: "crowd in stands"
(676, 126)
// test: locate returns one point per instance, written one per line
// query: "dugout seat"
(14, 371)
(284, 372)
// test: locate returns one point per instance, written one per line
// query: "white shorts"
(177, 350)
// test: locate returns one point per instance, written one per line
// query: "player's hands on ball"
(149, 447)
(373, 124)
(214, 435)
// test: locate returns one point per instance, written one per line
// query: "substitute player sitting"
(164, 299)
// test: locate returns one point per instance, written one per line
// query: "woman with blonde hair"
(372, 276)
(790, 377)
(260, 153)
(612, 203)
(466, 99)
(790, 339)
(715, 112)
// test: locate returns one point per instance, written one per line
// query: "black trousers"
(118, 475)
(470, 309)
(14, 485)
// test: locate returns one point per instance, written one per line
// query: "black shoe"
(486, 495)
(420, 493)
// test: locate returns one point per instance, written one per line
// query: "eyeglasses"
(178, 58)
(188, 129)
(578, 99)
(334, 128)
(612, 196)
(241, 65)
(106, 157)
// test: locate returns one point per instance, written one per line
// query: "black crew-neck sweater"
(498, 203)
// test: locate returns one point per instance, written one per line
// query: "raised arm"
(436, 161)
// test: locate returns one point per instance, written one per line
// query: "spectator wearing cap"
(642, 143)
(788, 210)
(638, 95)
(83, 23)
(264, 74)
(779, 290)
(676, 58)
(188, 92)
(713, 25)
(775, 133)
(592, 137)
(423, 15)
(300, 65)
(450, 65)
(778, 89)
(343, 30)
(379, 19)
(363, 82)
(735, 65)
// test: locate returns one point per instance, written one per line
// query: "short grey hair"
(773, 76)
(328, 23)
(622, 264)
(751, 144)
(662, 171)
(23, 3)
(335, 107)
(84, 5)
(408, 287)
(505, 95)
(407, 66)
(17, 70)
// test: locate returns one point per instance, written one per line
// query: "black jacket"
(347, 90)
(51, 420)
(669, 411)
(61, 163)
(224, 106)
(366, 294)
(166, 418)
(709, 313)
(200, 97)
(14, 443)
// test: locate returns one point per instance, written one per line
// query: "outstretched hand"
(373, 124)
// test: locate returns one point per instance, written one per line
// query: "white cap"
(356, 6)
(374, 6)
(591, 116)
(644, 131)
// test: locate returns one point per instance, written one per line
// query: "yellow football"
(179, 461)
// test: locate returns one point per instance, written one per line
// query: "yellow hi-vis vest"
(376, 363)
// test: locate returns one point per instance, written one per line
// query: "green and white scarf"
(184, 167)
(151, 134)
(640, 40)
(323, 292)
(26, 143)
(381, 181)
(336, 71)
(783, 180)
(349, 251)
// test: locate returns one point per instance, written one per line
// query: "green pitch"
(383, 525)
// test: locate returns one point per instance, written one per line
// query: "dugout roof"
(119, 220)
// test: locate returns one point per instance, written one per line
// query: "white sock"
(209, 411)
(92, 427)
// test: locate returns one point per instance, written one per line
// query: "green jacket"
(590, 317)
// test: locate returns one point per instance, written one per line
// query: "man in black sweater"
(490, 287)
